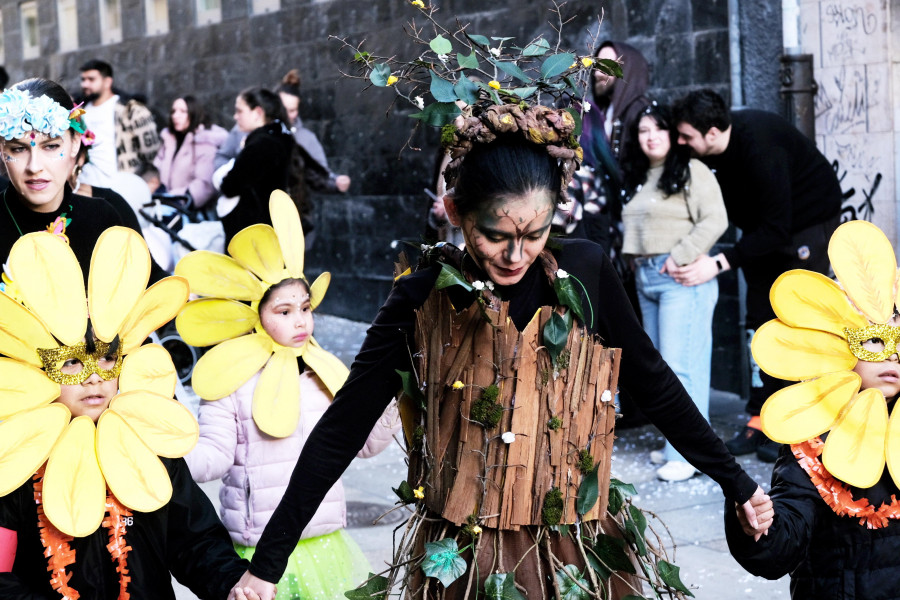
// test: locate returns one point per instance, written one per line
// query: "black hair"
(37, 87)
(91, 346)
(271, 104)
(4, 78)
(702, 110)
(196, 114)
(268, 294)
(290, 83)
(95, 64)
(505, 168)
(675, 173)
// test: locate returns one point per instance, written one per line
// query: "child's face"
(287, 315)
(883, 375)
(92, 396)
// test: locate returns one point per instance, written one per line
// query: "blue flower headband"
(20, 114)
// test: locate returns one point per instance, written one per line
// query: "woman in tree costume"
(836, 482)
(507, 356)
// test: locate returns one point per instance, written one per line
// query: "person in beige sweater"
(675, 215)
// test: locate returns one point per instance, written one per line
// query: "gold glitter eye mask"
(54, 360)
(882, 340)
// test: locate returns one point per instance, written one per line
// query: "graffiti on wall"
(852, 207)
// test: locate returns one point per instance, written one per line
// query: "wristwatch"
(719, 265)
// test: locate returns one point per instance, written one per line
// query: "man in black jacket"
(783, 195)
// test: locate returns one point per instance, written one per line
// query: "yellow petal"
(23, 387)
(229, 365)
(892, 445)
(25, 443)
(149, 368)
(854, 450)
(156, 307)
(812, 301)
(796, 354)
(167, 426)
(209, 321)
(74, 492)
(133, 472)
(318, 288)
(21, 332)
(218, 276)
(805, 410)
(276, 399)
(290, 233)
(120, 270)
(864, 262)
(50, 281)
(256, 248)
(326, 365)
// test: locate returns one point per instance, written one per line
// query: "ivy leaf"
(441, 45)
(513, 70)
(479, 39)
(502, 586)
(539, 48)
(466, 90)
(405, 493)
(611, 556)
(556, 333)
(568, 589)
(450, 276)
(611, 67)
(669, 573)
(441, 89)
(376, 587)
(568, 295)
(411, 387)
(588, 492)
(380, 74)
(442, 561)
(438, 114)
(467, 62)
(524, 92)
(577, 116)
(634, 529)
(557, 64)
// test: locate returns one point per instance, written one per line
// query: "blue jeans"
(678, 319)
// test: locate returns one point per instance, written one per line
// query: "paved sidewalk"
(691, 510)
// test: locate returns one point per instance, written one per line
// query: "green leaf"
(442, 561)
(568, 295)
(467, 62)
(669, 573)
(561, 529)
(411, 387)
(438, 114)
(572, 85)
(616, 501)
(613, 555)
(502, 586)
(513, 70)
(568, 589)
(501, 39)
(361, 56)
(405, 493)
(557, 65)
(524, 92)
(539, 48)
(479, 39)
(380, 74)
(634, 529)
(466, 90)
(442, 89)
(610, 67)
(450, 276)
(376, 587)
(627, 489)
(556, 333)
(588, 492)
(577, 133)
(441, 45)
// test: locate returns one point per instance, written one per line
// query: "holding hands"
(756, 514)
(250, 587)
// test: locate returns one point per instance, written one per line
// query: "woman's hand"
(250, 587)
(703, 269)
(756, 514)
(670, 266)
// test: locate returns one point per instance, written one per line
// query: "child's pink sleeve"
(8, 542)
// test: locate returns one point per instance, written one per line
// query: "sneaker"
(676, 470)
(746, 441)
(658, 457)
(768, 451)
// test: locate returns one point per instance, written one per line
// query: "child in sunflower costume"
(95, 501)
(836, 482)
(265, 384)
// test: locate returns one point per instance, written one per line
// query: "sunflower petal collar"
(227, 316)
(814, 342)
(121, 452)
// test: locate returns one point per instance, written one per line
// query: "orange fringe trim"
(836, 494)
(60, 555)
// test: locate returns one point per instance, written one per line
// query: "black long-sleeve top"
(373, 382)
(775, 182)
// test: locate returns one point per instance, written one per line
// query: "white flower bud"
(508, 438)
(561, 274)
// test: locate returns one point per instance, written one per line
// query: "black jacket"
(184, 538)
(828, 556)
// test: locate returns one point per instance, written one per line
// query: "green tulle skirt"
(320, 568)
